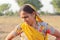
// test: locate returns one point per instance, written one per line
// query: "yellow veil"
(31, 33)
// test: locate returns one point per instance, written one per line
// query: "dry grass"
(8, 23)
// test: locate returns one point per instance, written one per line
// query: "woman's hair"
(30, 9)
(27, 8)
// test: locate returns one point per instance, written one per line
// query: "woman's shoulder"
(42, 23)
(18, 26)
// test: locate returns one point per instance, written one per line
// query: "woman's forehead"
(22, 14)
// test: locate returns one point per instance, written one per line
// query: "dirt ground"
(7, 24)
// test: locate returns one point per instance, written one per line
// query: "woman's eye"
(26, 17)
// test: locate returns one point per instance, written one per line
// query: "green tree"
(9, 13)
(16, 13)
(56, 5)
(1, 14)
(3, 7)
(36, 3)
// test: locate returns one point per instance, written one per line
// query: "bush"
(57, 13)
(1, 14)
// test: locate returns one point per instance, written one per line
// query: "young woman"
(33, 28)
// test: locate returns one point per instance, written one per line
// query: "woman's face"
(28, 18)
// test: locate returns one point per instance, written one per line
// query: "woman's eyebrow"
(25, 17)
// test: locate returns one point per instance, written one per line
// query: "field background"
(7, 24)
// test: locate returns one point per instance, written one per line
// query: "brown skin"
(30, 19)
(57, 35)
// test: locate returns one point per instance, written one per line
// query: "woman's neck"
(34, 24)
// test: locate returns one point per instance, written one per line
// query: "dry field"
(7, 24)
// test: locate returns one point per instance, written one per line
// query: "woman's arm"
(14, 33)
(56, 34)
(52, 31)
(10, 36)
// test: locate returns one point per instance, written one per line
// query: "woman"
(33, 28)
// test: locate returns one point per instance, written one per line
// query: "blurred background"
(49, 11)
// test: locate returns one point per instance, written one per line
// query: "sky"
(14, 6)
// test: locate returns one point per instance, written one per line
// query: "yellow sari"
(32, 33)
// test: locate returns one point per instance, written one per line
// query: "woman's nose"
(25, 20)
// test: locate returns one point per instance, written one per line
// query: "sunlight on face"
(28, 18)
